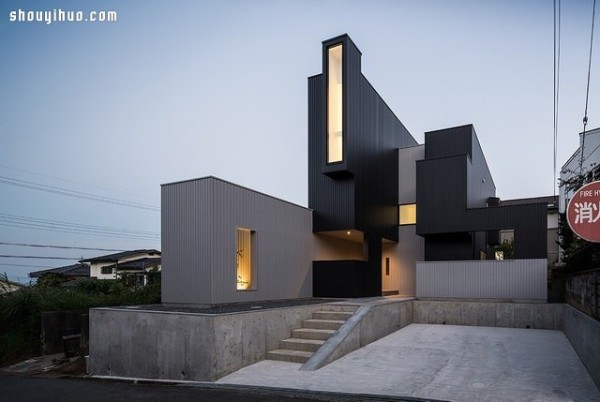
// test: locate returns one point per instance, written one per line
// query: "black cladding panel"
(454, 190)
(361, 192)
(449, 142)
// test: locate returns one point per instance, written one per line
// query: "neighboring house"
(552, 227)
(71, 272)
(136, 271)
(137, 262)
(7, 286)
(379, 205)
(575, 166)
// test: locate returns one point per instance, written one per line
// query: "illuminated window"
(334, 105)
(244, 255)
(408, 214)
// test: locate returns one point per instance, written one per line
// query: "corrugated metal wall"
(407, 173)
(200, 218)
(187, 221)
(510, 279)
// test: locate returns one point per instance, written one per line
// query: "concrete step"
(332, 315)
(311, 333)
(306, 345)
(348, 308)
(315, 323)
(286, 355)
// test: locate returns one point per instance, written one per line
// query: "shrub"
(20, 311)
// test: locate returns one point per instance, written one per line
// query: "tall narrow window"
(243, 259)
(334, 104)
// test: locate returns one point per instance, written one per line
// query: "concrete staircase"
(307, 340)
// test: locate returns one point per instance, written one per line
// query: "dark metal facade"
(361, 192)
(457, 212)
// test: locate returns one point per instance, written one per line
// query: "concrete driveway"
(446, 362)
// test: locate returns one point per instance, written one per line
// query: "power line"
(587, 92)
(40, 257)
(556, 87)
(25, 265)
(59, 247)
(75, 194)
(114, 190)
(69, 227)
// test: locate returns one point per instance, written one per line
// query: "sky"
(184, 89)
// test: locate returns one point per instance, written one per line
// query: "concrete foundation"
(185, 346)
(489, 314)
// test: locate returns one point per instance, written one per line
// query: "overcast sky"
(184, 89)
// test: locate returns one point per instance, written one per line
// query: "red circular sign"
(583, 212)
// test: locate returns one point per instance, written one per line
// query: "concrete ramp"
(371, 321)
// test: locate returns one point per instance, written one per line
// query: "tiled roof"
(124, 254)
(68, 270)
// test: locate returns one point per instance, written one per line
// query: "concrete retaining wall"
(584, 334)
(199, 347)
(489, 314)
(185, 346)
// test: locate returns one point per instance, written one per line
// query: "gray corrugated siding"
(199, 237)
(407, 173)
(512, 280)
(186, 241)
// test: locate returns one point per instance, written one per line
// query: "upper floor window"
(408, 214)
(334, 104)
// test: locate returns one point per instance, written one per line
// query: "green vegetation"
(20, 311)
(506, 249)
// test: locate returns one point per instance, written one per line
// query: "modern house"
(385, 216)
(380, 206)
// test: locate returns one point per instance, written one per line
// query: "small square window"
(408, 214)
(107, 271)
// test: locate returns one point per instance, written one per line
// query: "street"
(25, 389)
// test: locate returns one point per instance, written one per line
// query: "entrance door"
(389, 275)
